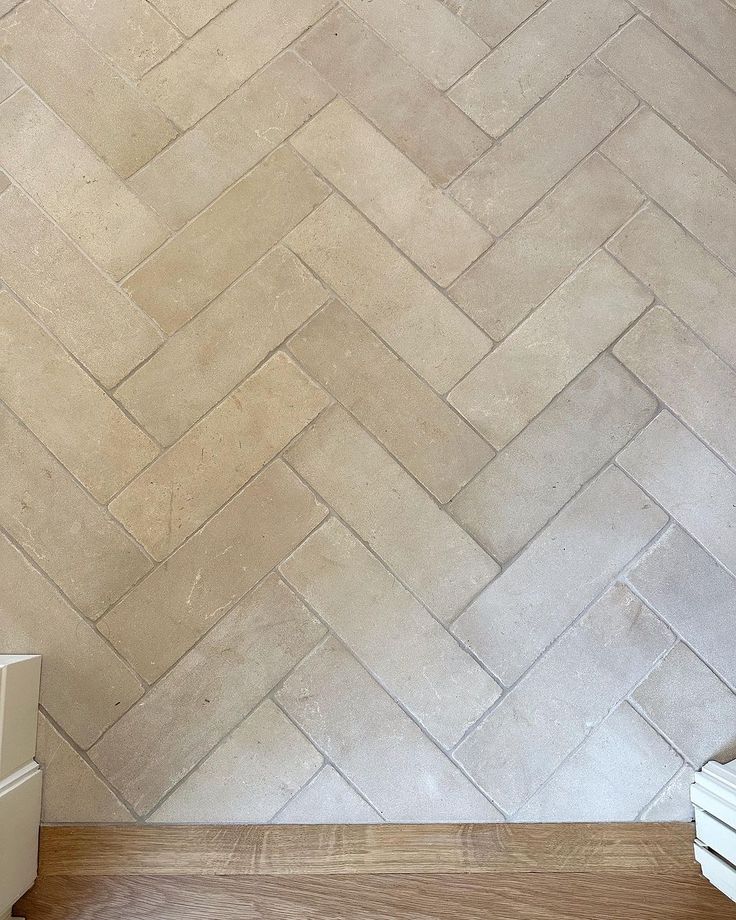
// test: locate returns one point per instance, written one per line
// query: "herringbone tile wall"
(369, 426)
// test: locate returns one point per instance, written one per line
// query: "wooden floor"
(463, 872)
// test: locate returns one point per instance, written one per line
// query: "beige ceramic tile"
(226, 239)
(209, 691)
(190, 15)
(190, 481)
(398, 408)
(65, 408)
(421, 544)
(493, 20)
(673, 802)
(166, 613)
(9, 82)
(328, 799)
(392, 192)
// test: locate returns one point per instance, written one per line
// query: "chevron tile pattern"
(368, 425)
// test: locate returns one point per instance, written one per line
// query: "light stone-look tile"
(692, 381)
(166, 613)
(130, 32)
(689, 482)
(226, 239)
(425, 224)
(493, 20)
(60, 527)
(398, 408)
(99, 325)
(9, 82)
(328, 799)
(515, 382)
(535, 59)
(691, 592)
(538, 253)
(202, 163)
(442, 687)
(677, 87)
(559, 574)
(65, 408)
(249, 777)
(218, 348)
(690, 281)
(570, 690)
(74, 187)
(418, 541)
(687, 702)
(423, 326)
(72, 791)
(691, 189)
(84, 685)
(195, 477)
(514, 174)
(673, 802)
(114, 117)
(190, 15)
(611, 776)
(510, 500)
(384, 753)
(208, 692)
(426, 34)
(228, 50)
(407, 108)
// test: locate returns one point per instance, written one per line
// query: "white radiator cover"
(713, 795)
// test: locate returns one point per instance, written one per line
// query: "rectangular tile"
(442, 687)
(384, 754)
(228, 50)
(211, 689)
(9, 82)
(673, 801)
(190, 15)
(398, 408)
(391, 191)
(691, 189)
(675, 698)
(493, 20)
(412, 113)
(109, 113)
(507, 181)
(571, 689)
(226, 239)
(421, 544)
(198, 166)
(559, 574)
(683, 274)
(535, 59)
(65, 408)
(195, 477)
(221, 345)
(84, 685)
(93, 319)
(690, 483)
(74, 187)
(515, 382)
(328, 799)
(611, 776)
(166, 613)
(374, 279)
(512, 498)
(693, 382)
(677, 87)
(538, 254)
(691, 592)
(90, 558)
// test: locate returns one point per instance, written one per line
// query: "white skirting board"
(20, 777)
(714, 796)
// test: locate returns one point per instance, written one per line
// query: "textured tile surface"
(368, 433)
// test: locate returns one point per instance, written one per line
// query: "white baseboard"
(713, 795)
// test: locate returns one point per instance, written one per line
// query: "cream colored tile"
(421, 544)
(493, 20)
(226, 239)
(65, 408)
(195, 477)
(208, 692)
(391, 191)
(673, 801)
(218, 348)
(9, 82)
(190, 15)
(74, 187)
(398, 408)
(97, 323)
(328, 799)
(84, 685)
(166, 613)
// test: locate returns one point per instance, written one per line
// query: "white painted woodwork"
(714, 796)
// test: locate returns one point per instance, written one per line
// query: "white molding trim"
(713, 795)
